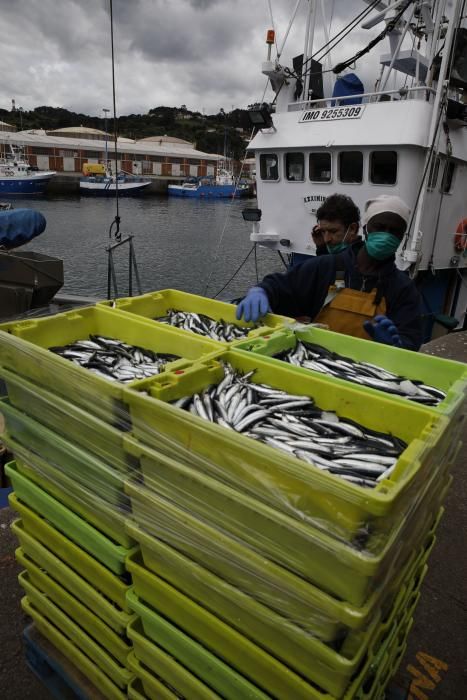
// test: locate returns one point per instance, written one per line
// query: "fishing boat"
(18, 177)
(222, 185)
(107, 184)
(406, 136)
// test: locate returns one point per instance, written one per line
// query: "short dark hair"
(339, 207)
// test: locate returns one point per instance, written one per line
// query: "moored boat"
(17, 177)
(107, 184)
(223, 185)
(406, 137)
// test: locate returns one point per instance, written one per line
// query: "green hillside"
(208, 132)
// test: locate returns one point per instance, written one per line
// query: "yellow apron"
(347, 311)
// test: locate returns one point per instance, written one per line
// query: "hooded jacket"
(302, 290)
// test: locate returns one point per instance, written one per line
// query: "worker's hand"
(254, 305)
(317, 236)
(383, 330)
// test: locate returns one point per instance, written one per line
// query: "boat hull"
(207, 191)
(24, 185)
(107, 189)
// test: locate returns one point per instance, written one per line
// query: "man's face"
(334, 232)
(388, 222)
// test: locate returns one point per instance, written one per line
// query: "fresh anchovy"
(295, 425)
(320, 359)
(113, 359)
(204, 325)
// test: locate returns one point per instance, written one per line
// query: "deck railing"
(421, 92)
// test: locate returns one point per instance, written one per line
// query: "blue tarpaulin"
(19, 226)
(348, 85)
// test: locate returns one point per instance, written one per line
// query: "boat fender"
(460, 239)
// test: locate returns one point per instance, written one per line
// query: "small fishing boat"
(223, 185)
(107, 184)
(18, 177)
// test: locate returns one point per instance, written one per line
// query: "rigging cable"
(236, 271)
(116, 222)
(227, 214)
(389, 27)
(345, 31)
(448, 140)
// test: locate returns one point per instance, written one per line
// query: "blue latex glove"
(254, 305)
(383, 330)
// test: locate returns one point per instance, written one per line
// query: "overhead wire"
(337, 38)
(227, 214)
(236, 271)
(388, 28)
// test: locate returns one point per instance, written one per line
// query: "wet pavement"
(435, 664)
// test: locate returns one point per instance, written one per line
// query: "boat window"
(295, 167)
(320, 167)
(269, 166)
(448, 176)
(351, 166)
(434, 170)
(383, 167)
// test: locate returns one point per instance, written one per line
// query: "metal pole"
(130, 271)
(309, 33)
(106, 140)
(398, 48)
(137, 279)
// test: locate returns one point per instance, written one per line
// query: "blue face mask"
(338, 247)
(381, 245)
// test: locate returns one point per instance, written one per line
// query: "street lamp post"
(106, 111)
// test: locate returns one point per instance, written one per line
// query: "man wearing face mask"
(378, 302)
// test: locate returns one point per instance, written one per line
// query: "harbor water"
(183, 244)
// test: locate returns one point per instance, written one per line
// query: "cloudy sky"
(206, 54)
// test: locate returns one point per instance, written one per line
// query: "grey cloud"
(204, 53)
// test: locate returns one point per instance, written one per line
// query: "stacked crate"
(256, 574)
(64, 427)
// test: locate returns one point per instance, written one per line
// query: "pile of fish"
(297, 426)
(321, 359)
(204, 325)
(113, 359)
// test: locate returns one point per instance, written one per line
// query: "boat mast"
(308, 49)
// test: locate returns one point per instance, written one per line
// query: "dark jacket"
(302, 291)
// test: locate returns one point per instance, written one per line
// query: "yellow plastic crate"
(105, 550)
(282, 481)
(264, 597)
(113, 643)
(148, 653)
(156, 304)
(33, 526)
(326, 667)
(162, 665)
(83, 467)
(446, 375)
(147, 684)
(119, 674)
(136, 689)
(67, 419)
(307, 551)
(23, 350)
(87, 666)
(231, 646)
(89, 506)
(32, 554)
